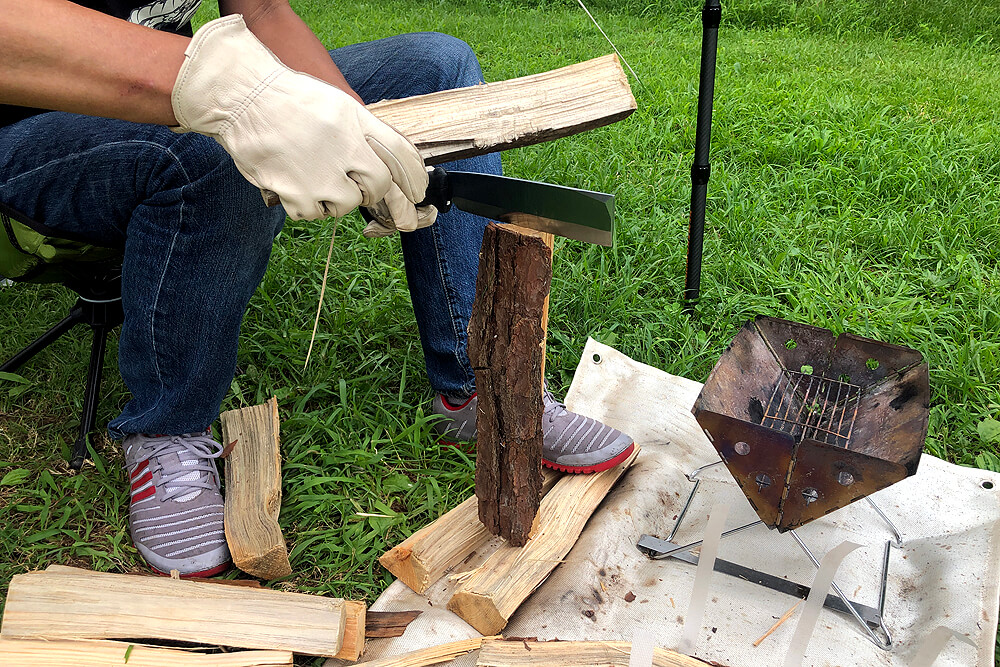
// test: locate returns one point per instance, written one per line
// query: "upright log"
(505, 338)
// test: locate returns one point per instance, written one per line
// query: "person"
(120, 127)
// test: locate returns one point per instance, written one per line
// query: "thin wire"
(610, 42)
(322, 291)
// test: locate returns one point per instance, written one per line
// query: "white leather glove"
(311, 143)
(395, 213)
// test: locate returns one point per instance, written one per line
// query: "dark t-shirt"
(170, 15)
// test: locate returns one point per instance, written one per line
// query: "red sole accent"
(456, 408)
(204, 573)
(599, 467)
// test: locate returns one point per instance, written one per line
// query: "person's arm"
(61, 56)
(280, 29)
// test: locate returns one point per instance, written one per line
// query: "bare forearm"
(280, 29)
(60, 56)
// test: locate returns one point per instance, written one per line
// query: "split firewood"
(499, 653)
(244, 583)
(100, 653)
(464, 122)
(505, 348)
(423, 557)
(355, 612)
(355, 627)
(253, 491)
(496, 589)
(426, 656)
(388, 623)
(98, 605)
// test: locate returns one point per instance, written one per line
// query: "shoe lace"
(200, 448)
(553, 409)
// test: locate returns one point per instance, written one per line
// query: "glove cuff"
(225, 67)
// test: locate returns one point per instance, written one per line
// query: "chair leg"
(91, 395)
(76, 316)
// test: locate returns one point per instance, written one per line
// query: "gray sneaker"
(175, 512)
(570, 442)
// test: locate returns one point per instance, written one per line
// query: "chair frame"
(99, 306)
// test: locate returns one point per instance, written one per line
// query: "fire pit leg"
(656, 548)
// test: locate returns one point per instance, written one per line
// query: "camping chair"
(33, 253)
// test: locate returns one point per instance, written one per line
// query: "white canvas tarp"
(946, 574)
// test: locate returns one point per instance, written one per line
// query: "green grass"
(855, 186)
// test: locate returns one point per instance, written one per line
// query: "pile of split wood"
(489, 595)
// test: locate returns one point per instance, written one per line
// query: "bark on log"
(423, 557)
(498, 587)
(388, 623)
(253, 491)
(499, 653)
(464, 122)
(98, 605)
(505, 338)
(91, 653)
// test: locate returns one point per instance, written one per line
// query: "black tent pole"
(711, 14)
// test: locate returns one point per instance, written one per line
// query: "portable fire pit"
(808, 423)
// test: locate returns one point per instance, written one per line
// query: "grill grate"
(809, 406)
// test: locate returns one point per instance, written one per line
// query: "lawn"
(855, 186)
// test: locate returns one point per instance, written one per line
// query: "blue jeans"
(197, 236)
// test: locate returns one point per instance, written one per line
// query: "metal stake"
(711, 15)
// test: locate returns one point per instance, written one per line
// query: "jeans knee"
(204, 174)
(444, 61)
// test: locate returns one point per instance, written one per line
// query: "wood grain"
(355, 627)
(423, 557)
(98, 605)
(423, 657)
(498, 587)
(253, 491)
(482, 119)
(102, 653)
(499, 653)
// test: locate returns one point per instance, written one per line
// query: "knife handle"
(438, 194)
(438, 190)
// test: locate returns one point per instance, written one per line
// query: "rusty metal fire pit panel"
(808, 422)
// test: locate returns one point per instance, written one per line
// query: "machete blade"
(577, 214)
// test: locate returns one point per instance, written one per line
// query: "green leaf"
(988, 461)
(989, 430)
(13, 377)
(15, 477)
(397, 482)
(128, 651)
